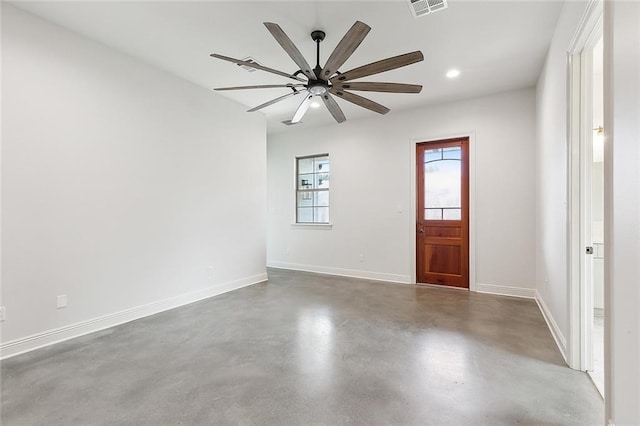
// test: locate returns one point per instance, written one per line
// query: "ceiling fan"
(326, 81)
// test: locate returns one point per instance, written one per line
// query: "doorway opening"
(593, 226)
(586, 184)
(442, 212)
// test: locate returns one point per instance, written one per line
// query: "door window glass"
(442, 184)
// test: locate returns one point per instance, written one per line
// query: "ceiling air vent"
(249, 59)
(425, 7)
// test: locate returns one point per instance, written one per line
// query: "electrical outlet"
(361, 257)
(61, 301)
(287, 251)
(3, 313)
(210, 273)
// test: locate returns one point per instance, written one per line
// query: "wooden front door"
(442, 217)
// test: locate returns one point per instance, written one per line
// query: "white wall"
(551, 175)
(121, 185)
(622, 214)
(371, 195)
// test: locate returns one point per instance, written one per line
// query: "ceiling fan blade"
(290, 48)
(360, 101)
(334, 108)
(273, 101)
(302, 110)
(345, 49)
(256, 66)
(263, 86)
(380, 87)
(380, 66)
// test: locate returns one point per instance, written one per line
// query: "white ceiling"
(497, 46)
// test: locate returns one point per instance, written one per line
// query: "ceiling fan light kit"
(323, 82)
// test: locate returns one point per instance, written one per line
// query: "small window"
(312, 189)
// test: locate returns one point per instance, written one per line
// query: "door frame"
(579, 138)
(471, 135)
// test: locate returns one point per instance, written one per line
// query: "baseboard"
(50, 337)
(559, 338)
(352, 273)
(503, 290)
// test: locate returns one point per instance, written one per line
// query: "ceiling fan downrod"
(317, 36)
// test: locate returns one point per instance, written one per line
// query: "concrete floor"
(310, 349)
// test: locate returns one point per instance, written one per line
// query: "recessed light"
(315, 104)
(453, 73)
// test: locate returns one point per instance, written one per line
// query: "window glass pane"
(453, 153)
(442, 184)
(432, 155)
(432, 214)
(305, 214)
(321, 164)
(305, 199)
(452, 214)
(305, 165)
(322, 180)
(321, 214)
(305, 181)
(321, 199)
(312, 190)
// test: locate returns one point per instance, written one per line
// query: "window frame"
(298, 190)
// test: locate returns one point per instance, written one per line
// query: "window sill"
(326, 226)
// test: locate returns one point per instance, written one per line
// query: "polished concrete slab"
(310, 349)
